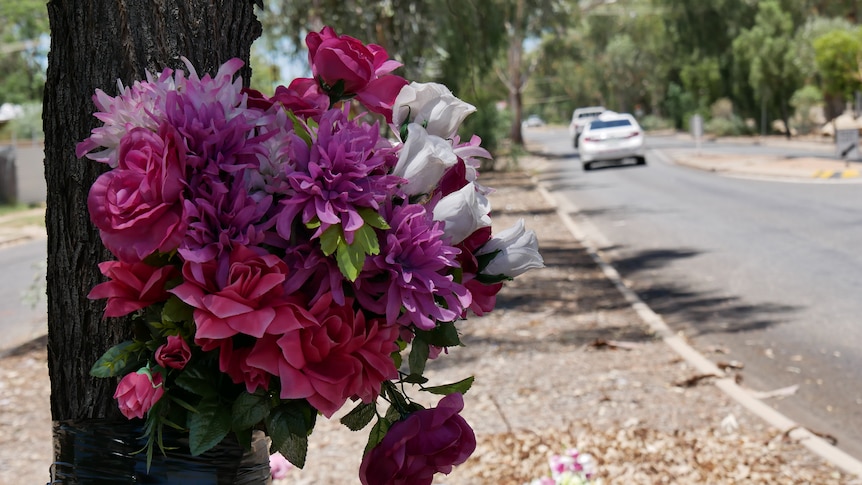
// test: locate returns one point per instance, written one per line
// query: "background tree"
(22, 24)
(838, 55)
(93, 42)
(767, 49)
(806, 60)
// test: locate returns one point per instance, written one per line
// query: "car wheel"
(587, 166)
(640, 160)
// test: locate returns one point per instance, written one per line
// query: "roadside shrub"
(653, 123)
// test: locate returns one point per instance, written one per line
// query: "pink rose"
(132, 286)
(344, 357)
(234, 362)
(303, 98)
(174, 353)
(279, 466)
(239, 293)
(427, 442)
(137, 392)
(138, 206)
(345, 67)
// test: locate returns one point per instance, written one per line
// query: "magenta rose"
(345, 356)
(132, 286)
(429, 441)
(138, 206)
(175, 353)
(241, 292)
(137, 392)
(361, 68)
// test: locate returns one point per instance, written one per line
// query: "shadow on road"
(703, 312)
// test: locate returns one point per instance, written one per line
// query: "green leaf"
(350, 260)
(396, 358)
(289, 426)
(208, 427)
(461, 386)
(373, 218)
(415, 379)
(360, 416)
(443, 335)
(331, 239)
(177, 311)
(299, 128)
(399, 402)
(378, 432)
(249, 410)
(366, 239)
(314, 223)
(118, 360)
(199, 380)
(419, 352)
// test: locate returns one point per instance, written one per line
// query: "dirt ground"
(562, 362)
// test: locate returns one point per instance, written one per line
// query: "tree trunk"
(516, 82)
(93, 43)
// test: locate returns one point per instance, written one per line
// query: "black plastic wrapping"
(99, 452)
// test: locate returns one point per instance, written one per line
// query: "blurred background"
(748, 67)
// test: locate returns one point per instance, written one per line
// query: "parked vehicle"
(580, 118)
(533, 121)
(612, 137)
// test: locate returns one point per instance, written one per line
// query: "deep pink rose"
(363, 70)
(175, 353)
(132, 286)
(234, 362)
(345, 357)
(138, 391)
(138, 206)
(256, 99)
(239, 293)
(303, 98)
(429, 441)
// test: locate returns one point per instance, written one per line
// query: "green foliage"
(119, 360)
(22, 73)
(804, 101)
(208, 426)
(461, 386)
(837, 54)
(360, 416)
(656, 123)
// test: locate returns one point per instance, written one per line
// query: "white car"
(580, 118)
(612, 137)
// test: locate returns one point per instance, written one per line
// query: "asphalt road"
(20, 319)
(768, 272)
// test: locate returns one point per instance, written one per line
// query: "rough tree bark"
(94, 43)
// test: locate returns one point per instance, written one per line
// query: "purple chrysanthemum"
(343, 171)
(410, 273)
(219, 216)
(313, 273)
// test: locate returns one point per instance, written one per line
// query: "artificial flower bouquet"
(570, 468)
(278, 255)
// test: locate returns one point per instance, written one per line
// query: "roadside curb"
(726, 383)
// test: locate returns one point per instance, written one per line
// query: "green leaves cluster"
(351, 256)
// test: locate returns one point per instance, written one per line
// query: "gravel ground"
(562, 362)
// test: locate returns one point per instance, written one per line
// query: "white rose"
(463, 212)
(431, 105)
(423, 160)
(518, 252)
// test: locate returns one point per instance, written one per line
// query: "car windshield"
(589, 115)
(599, 124)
